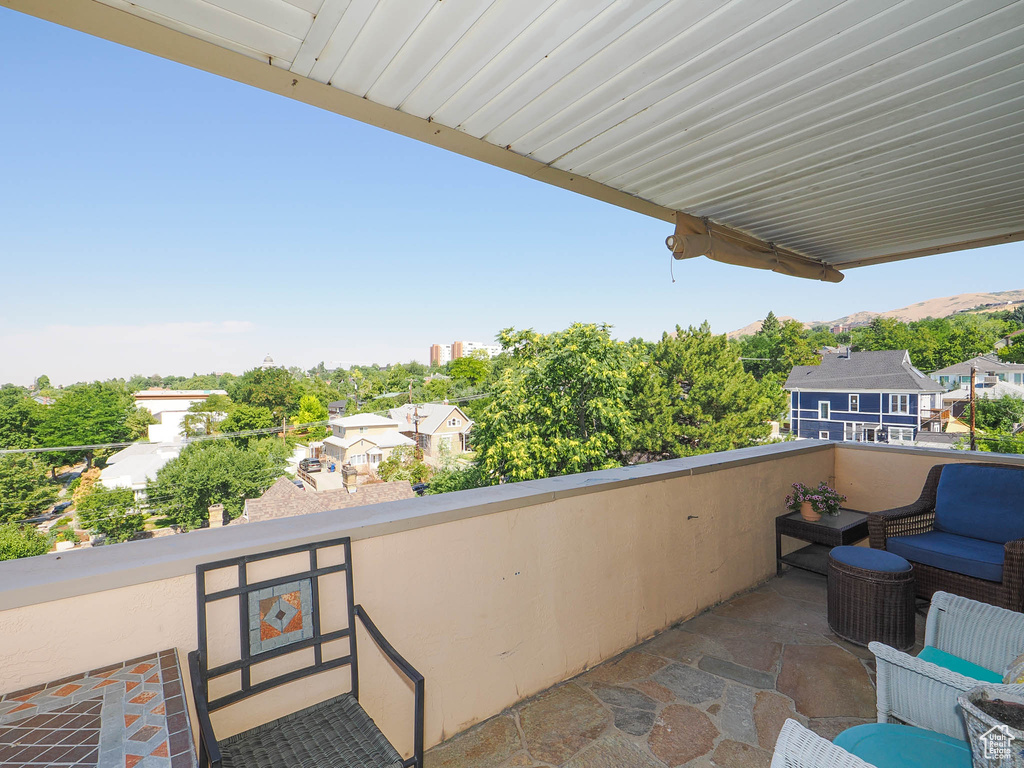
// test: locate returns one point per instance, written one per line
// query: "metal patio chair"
(278, 617)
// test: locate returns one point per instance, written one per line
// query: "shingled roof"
(285, 499)
(858, 371)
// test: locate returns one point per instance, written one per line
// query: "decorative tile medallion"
(129, 715)
(280, 615)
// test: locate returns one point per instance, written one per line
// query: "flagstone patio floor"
(711, 691)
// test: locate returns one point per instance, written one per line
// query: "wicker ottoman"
(871, 596)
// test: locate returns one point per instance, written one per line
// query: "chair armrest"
(922, 694)
(901, 521)
(983, 634)
(918, 517)
(208, 746)
(1013, 573)
(798, 747)
(409, 671)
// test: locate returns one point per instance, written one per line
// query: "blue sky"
(159, 219)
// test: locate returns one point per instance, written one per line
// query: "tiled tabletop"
(127, 715)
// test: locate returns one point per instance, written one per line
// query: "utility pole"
(284, 429)
(974, 443)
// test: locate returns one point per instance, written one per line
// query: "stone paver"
(485, 746)
(625, 669)
(771, 710)
(559, 723)
(682, 734)
(613, 751)
(733, 754)
(690, 684)
(750, 677)
(826, 681)
(737, 720)
(711, 691)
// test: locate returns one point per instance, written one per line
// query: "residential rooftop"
(986, 364)
(888, 370)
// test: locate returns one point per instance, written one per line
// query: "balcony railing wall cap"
(69, 574)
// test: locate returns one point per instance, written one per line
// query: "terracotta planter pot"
(807, 512)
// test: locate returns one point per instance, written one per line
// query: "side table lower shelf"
(813, 557)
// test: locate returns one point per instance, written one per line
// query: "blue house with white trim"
(874, 397)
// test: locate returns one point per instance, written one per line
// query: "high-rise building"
(440, 354)
(444, 353)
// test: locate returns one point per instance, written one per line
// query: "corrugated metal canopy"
(846, 133)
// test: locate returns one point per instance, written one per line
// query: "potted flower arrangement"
(812, 503)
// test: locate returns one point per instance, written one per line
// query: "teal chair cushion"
(958, 665)
(899, 746)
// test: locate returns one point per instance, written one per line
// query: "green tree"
(112, 512)
(138, 422)
(458, 479)
(43, 382)
(561, 408)
(776, 348)
(20, 417)
(272, 388)
(312, 410)
(1014, 353)
(709, 401)
(21, 541)
(244, 418)
(25, 490)
(202, 418)
(214, 472)
(998, 414)
(87, 414)
(471, 369)
(402, 464)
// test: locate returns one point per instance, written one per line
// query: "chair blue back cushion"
(981, 502)
(958, 665)
(959, 554)
(887, 745)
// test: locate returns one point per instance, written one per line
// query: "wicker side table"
(871, 597)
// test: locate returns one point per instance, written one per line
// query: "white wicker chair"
(923, 694)
(798, 747)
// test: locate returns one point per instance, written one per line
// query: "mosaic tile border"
(143, 719)
(268, 630)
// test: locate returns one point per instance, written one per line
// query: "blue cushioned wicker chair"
(965, 534)
(967, 643)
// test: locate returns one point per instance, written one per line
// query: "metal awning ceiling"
(844, 133)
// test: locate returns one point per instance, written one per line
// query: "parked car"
(310, 465)
(298, 483)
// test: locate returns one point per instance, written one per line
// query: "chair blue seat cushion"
(959, 554)
(980, 502)
(958, 665)
(887, 745)
(870, 559)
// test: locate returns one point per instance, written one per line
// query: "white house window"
(358, 459)
(363, 430)
(454, 422)
(901, 434)
(899, 403)
(854, 403)
(823, 434)
(823, 409)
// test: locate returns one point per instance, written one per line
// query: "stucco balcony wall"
(493, 594)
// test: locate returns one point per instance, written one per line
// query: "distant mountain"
(944, 307)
